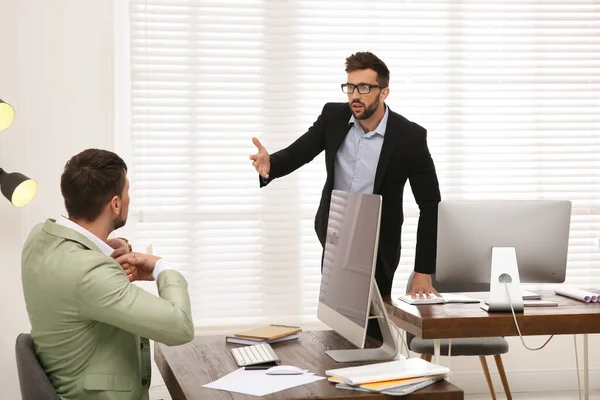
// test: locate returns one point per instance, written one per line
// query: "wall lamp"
(16, 187)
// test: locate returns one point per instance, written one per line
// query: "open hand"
(261, 160)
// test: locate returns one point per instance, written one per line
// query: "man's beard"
(119, 221)
(367, 111)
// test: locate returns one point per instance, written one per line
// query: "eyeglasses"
(363, 88)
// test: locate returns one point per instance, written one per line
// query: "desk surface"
(447, 321)
(186, 368)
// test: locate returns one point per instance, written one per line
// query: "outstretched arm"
(286, 161)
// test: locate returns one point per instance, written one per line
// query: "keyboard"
(255, 354)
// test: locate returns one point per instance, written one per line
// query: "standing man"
(90, 325)
(369, 149)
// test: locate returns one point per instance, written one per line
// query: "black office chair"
(492, 346)
(33, 380)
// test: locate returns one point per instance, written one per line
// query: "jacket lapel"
(339, 133)
(389, 144)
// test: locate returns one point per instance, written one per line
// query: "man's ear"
(115, 205)
(385, 93)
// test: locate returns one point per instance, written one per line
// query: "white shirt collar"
(382, 124)
(101, 244)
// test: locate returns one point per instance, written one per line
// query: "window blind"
(508, 91)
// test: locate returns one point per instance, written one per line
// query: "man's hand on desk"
(422, 286)
(138, 266)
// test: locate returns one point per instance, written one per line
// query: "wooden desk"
(469, 320)
(447, 321)
(186, 368)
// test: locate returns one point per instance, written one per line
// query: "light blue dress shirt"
(356, 160)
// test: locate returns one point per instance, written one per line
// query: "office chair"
(33, 380)
(482, 347)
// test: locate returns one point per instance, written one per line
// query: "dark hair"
(368, 60)
(90, 179)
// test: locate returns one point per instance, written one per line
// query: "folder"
(269, 332)
(393, 384)
(387, 371)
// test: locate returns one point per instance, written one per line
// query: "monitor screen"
(467, 231)
(349, 263)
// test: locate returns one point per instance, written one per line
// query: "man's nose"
(355, 94)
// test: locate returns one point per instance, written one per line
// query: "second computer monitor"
(468, 230)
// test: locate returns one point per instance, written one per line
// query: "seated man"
(89, 324)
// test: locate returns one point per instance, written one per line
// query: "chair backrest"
(33, 380)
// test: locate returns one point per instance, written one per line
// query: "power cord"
(547, 341)
(517, 325)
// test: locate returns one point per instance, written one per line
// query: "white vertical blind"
(508, 90)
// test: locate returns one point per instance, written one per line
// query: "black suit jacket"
(404, 156)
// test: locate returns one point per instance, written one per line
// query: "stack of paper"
(265, 334)
(399, 377)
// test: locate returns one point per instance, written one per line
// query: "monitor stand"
(388, 349)
(505, 275)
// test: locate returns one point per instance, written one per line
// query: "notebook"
(535, 303)
(528, 295)
(270, 332)
(445, 299)
(251, 341)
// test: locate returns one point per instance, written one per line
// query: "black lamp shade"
(17, 188)
(7, 115)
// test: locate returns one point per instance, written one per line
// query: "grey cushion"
(462, 347)
(33, 380)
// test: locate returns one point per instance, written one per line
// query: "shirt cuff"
(161, 265)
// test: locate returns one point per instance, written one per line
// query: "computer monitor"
(348, 287)
(468, 231)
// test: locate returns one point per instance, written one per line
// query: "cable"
(577, 367)
(517, 325)
(399, 334)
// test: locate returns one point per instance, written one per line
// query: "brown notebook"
(270, 332)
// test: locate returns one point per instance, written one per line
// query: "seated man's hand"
(120, 245)
(421, 286)
(138, 266)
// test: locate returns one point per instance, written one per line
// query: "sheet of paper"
(258, 383)
(424, 301)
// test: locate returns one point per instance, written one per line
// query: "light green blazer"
(89, 323)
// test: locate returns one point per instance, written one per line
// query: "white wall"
(56, 70)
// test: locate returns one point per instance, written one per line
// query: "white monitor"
(348, 288)
(469, 232)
